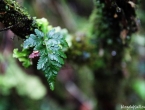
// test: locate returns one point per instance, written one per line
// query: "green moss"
(11, 4)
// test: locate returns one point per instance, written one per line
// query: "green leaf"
(56, 58)
(54, 63)
(53, 57)
(25, 62)
(51, 46)
(55, 48)
(50, 34)
(64, 43)
(60, 60)
(57, 36)
(41, 62)
(42, 51)
(51, 78)
(62, 54)
(39, 46)
(22, 57)
(31, 41)
(52, 42)
(39, 33)
(17, 54)
(51, 84)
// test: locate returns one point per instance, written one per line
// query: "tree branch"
(15, 18)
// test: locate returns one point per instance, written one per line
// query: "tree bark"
(15, 18)
(114, 22)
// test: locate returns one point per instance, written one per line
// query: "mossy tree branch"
(16, 18)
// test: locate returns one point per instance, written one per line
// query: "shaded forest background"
(75, 88)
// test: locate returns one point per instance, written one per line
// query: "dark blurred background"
(27, 89)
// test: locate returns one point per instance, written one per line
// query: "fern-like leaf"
(51, 47)
(42, 62)
(31, 41)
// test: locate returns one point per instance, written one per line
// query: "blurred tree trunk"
(114, 22)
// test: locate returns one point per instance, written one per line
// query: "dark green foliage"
(50, 47)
